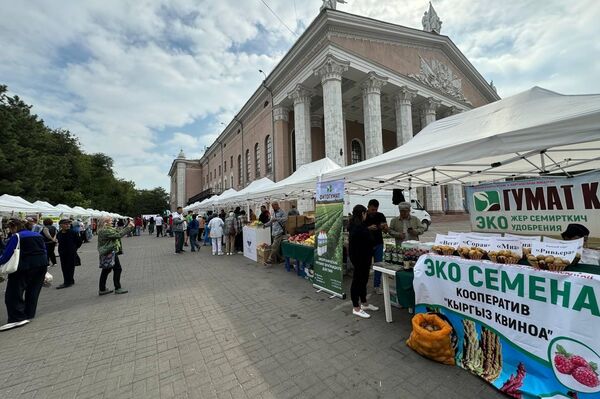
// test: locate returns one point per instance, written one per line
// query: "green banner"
(329, 237)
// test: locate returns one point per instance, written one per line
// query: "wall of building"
(405, 59)
(193, 181)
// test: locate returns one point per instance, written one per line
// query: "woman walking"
(194, 227)
(109, 249)
(69, 242)
(360, 248)
(230, 232)
(24, 285)
(216, 235)
(49, 234)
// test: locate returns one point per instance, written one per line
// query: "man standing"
(293, 211)
(277, 222)
(138, 222)
(68, 243)
(264, 216)
(377, 224)
(178, 229)
(405, 227)
(159, 226)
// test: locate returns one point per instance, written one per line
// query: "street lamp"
(263, 72)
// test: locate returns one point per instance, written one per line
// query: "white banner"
(535, 325)
(536, 206)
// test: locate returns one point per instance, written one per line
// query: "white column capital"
(405, 95)
(373, 83)
(316, 121)
(431, 105)
(300, 94)
(281, 113)
(331, 69)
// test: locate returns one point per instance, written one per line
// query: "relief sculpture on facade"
(440, 76)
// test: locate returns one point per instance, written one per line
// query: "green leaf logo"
(486, 201)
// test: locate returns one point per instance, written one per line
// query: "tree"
(39, 163)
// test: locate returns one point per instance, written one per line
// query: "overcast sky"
(139, 79)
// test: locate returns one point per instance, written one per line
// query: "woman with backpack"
(230, 231)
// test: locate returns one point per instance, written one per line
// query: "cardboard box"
(293, 222)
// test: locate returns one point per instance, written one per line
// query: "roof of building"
(360, 26)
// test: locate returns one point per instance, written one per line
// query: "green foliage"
(39, 163)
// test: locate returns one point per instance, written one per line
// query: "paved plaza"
(198, 326)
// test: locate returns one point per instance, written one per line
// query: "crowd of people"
(30, 245)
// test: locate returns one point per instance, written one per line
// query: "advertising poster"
(329, 237)
(530, 333)
(536, 206)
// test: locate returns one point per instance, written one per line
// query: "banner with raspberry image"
(530, 333)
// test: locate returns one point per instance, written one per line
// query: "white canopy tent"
(536, 132)
(300, 184)
(12, 203)
(66, 210)
(81, 211)
(216, 200)
(253, 188)
(47, 209)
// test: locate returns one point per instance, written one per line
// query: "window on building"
(239, 170)
(224, 166)
(268, 155)
(219, 170)
(357, 151)
(231, 180)
(231, 163)
(256, 160)
(247, 166)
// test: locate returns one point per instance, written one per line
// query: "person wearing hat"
(405, 227)
(68, 244)
(576, 231)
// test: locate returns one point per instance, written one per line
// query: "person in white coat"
(216, 235)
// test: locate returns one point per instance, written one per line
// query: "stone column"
(371, 90)
(301, 96)
(318, 139)
(403, 104)
(433, 194)
(282, 142)
(330, 72)
(455, 191)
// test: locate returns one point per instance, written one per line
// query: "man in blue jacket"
(23, 286)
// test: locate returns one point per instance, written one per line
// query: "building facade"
(350, 88)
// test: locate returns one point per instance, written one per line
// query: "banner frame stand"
(333, 294)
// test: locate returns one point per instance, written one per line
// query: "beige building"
(350, 88)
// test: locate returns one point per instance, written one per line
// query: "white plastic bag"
(48, 280)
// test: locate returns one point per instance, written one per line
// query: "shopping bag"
(13, 263)
(107, 261)
(77, 259)
(48, 280)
